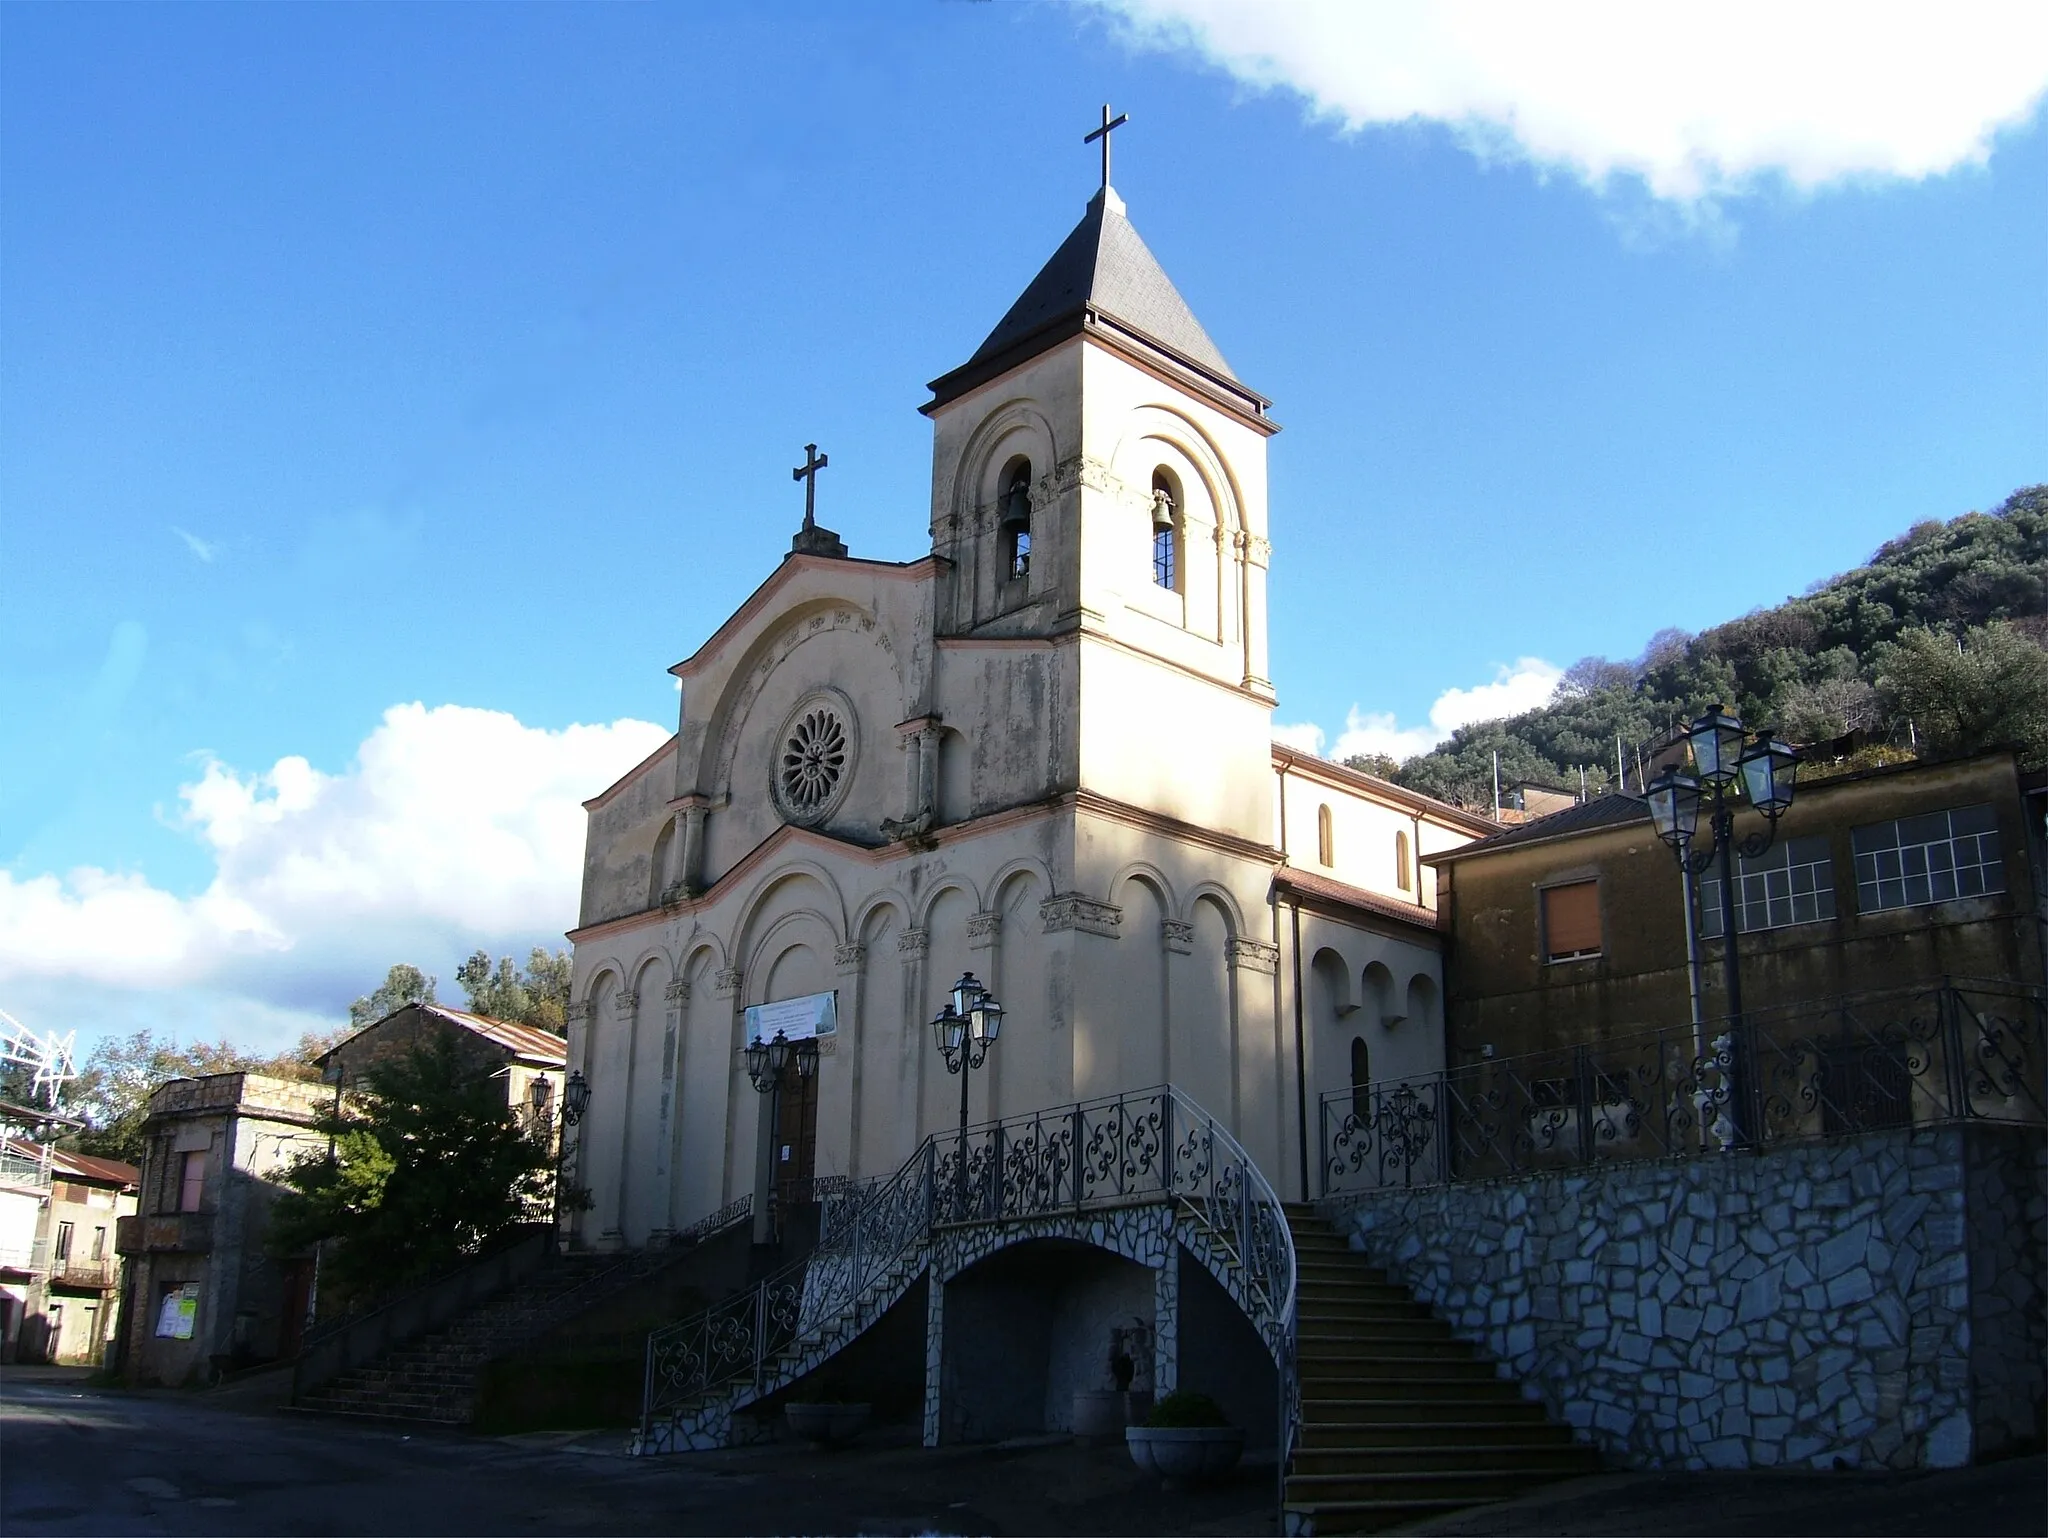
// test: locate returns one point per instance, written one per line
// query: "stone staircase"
(1400, 1420)
(434, 1378)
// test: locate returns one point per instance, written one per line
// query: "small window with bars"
(1571, 921)
(1935, 857)
(1792, 882)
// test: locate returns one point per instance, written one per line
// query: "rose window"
(813, 760)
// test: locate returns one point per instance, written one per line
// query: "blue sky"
(358, 358)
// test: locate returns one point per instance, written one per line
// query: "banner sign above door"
(815, 1014)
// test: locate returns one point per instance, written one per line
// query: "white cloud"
(206, 550)
(453, 827)
(1529, 684)
(1695, 102)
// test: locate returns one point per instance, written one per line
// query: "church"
(1041, 754)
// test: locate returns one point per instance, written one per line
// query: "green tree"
(537, 996)
(1990, 689)
(402, 985)
(429, 1163)
(1384, 765)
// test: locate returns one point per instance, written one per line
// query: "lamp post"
(767, 1061)
(575, 1101)
(1726, 771)
(965, 1027)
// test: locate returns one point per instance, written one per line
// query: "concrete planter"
(1185, 1454)
(826, 1422)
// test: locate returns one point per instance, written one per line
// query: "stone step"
(1405, 1409)
(1365, 1516)
(1374, 1436)
(1448, 1455)
(1406, 1382)
(1471, 1485)
(1368, 1329)
(1387, 1346)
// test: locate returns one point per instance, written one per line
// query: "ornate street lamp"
(1725, 770)
(965, 1027)
(767, 1061)
(575, 1102)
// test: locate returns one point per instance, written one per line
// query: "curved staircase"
(1400, 1420)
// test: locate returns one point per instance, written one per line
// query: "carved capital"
(1070, 910)
(1258, 550)
(624, 1002)
(850, 958)
(678, 991)
(982, 930)
(578, 1012)
(1253, 956)
(1178, 936)
(1081, 470)
(913, 942)
(727, 982)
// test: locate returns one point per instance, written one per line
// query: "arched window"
(1401, 878)
(1361, 1079)
(1013, 513)
(1326, 837)
(1166, 507)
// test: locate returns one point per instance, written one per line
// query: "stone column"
(1166, 1318)
(934, 1345)
(927, 771)
(689, 867)
(1258, 552)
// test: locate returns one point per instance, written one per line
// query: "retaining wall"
(1877, 1300)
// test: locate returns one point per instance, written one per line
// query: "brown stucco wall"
(1503, 994)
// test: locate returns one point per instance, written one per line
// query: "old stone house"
(527, 1061)
(201, 1294)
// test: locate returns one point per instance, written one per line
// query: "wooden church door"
(796, 1136)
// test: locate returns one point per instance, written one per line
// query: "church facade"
(1041, 753)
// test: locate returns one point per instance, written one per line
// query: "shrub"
(1186, 1409)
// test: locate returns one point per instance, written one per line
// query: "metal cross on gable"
(807, 472)
(1109, 126)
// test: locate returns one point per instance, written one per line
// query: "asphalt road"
(79, 1460)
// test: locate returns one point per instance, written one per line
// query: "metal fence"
(1937, 1056)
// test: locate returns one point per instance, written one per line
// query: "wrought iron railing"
(1960, 1052)
(1153, 1146)
(737, 1211)
(742, 1338)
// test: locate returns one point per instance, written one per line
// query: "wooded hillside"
(1936, 643)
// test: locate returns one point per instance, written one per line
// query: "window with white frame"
(1935, 857)
(1792, 882)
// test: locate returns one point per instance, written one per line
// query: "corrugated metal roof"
(76, 1166)
(1104, 264)
(523, 1041)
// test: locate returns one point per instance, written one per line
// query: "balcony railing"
(1957, 1053)
(77, 1271)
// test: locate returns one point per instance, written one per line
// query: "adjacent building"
(201, 1294)
(1572, 929)
(529, 1062)
(59, 1272)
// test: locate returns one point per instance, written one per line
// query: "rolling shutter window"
(1571, 920)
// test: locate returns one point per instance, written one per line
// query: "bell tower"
(1099, 480)
(1097, 464)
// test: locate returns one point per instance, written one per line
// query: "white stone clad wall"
(1799, 1306)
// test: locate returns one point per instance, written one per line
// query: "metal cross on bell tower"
(1109, 126)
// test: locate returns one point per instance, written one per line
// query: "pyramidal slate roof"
(1104, 265)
